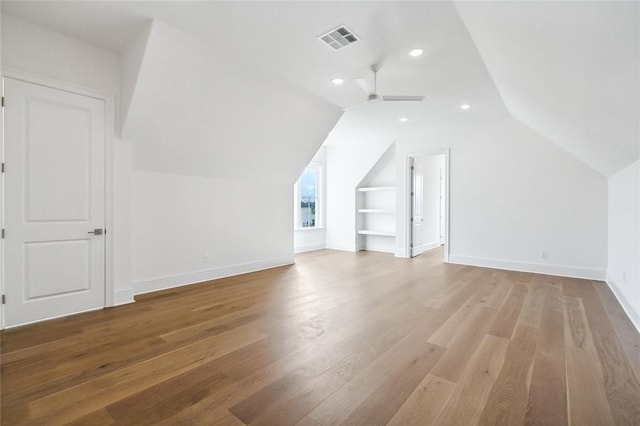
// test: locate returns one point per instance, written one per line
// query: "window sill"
(315, 228)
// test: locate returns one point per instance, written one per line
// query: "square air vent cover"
(339, 37)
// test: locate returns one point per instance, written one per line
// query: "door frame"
(408, 200)
(109, 103)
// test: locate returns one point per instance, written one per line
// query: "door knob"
(97, 231)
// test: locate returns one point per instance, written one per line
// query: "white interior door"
(54, 202)
(417, 207)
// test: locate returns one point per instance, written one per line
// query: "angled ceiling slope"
(192, 113)
(569, 70)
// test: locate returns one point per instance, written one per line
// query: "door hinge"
(411, 168)
(2, 232)
(2, 167)
(411, 219)
(3, 102)
(4, 299)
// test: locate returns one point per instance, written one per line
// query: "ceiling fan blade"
(403, 98)
(364, 84)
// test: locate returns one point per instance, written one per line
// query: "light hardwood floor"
(339, 338)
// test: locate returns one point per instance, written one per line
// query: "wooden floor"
(339, 338)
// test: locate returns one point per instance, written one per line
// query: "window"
(307, 197)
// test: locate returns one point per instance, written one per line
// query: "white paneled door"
(54, 202)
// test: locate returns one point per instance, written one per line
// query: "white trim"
(536, 268)
(337, 245)
(124, 296)
(429, 246)
(626, 306)
(309, 247)
(53, 83)
(377, 250)
(407, 199)
(179, 280)
(320, 199)
(110, 125)
(314, 228)
(375, 188)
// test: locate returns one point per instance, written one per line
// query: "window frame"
(297, 198)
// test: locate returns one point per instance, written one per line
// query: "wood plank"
(380, 406)
(464, 345)
(505, 320)
(627, 334)
(308, 421)
(532, 309)
(445, 334)
(162, 400)
(216, 416)
(425, 403)
(332, 339)
(507, 401)
(621, 385)
(300, 403)
(547, 393)
(583, 369)
(68, 404)
(341, 403)
(469, 396)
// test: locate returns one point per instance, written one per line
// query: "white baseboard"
(178, 280)
(537, 268)
(429, 246)
(432, 245)
(626, 306)
(379, 249)
(309, 247)
(337, 245)
(123, 296)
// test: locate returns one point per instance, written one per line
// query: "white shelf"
(376, 188)
(383, 211)
(380, 233)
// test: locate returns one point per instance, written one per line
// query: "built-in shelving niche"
(376, 205)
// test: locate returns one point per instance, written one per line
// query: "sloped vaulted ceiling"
(569, 70)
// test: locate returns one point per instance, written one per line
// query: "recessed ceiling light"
(416, 52)
(465, 106)
(404, 119)
(337, 81)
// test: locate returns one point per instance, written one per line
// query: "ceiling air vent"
(339, 37)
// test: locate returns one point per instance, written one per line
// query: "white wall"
(348, 162)
(623, 270)
(315, 238)
(34, 50)
(195, 113)
(180, 219)
(513, 194)
(217, 150)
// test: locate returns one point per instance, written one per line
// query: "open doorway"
(428, 202)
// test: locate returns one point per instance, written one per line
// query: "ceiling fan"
(372, 92)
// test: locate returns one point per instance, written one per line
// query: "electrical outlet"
(205, 258)
(544, 254)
